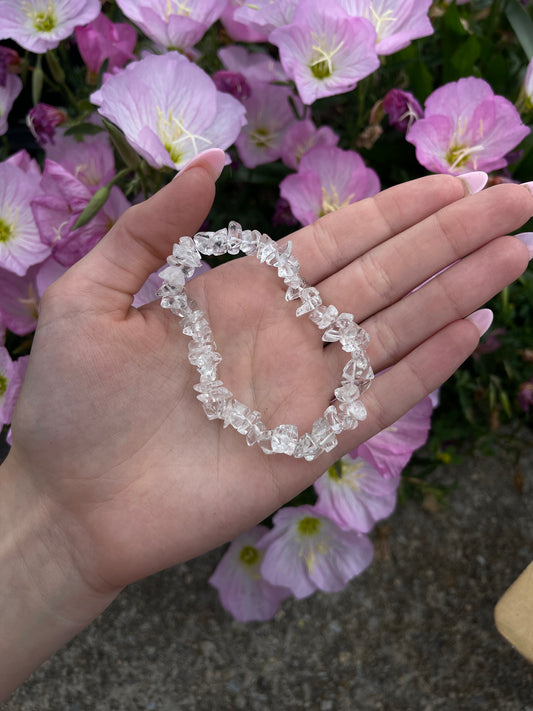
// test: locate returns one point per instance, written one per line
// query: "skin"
(116, 473)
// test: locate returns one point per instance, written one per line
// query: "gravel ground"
(414, 632)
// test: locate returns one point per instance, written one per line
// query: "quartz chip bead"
(348, 392)
(310, 300)
(358, 371)
(240, 417)
(174, 276)
(339, 422)
(257, 433)
(353, 410)
(323, 316)
(323, 435)
(295, 286)
(234, 237)
(284, 439)
(249, 240)
(215, 402)
(266, 249)
(185, 255)
(306, 448)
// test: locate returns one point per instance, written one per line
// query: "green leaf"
(83, 129)
(522, 25)
(464, 58)
(452, 20)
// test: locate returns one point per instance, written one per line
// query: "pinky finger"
(416, 375)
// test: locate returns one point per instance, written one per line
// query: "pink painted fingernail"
(483, 319)
(528, 185)
(527, 239)
(474, 181)
(214, 158)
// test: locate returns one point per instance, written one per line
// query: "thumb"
(139, 242)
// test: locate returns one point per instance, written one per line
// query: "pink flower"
(269, 116)
(301, 137)
(325, 50)
(466, 127)
(354, 495)
(102, 39)
(239, 31)
(306, 551)
(397, 22)
(8, 93)
(19, 301)
(174, 24)
(327, 180)
(57, 208)
(391, 449)
(38, 25)
(90, 161)
(22, 159)
(20, 243)
(242, 589)
(402, 109)
(265, 15)
(169, 109)
(11, 376)
(254, 66)
(9, 62)
(42, 120)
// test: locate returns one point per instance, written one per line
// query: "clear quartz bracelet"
(345, 411)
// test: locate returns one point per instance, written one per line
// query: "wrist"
(44, 599)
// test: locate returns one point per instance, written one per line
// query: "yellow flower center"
(324, 50)
(175, 136)
(6, 230)
(177, 7)
(262, 137)
(459, 153)
(249, 555)
(44, 19)
(309, 526)
(3, 385)
(331, 201)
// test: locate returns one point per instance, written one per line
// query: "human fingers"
(415, 376)
(334, 241)
(393, 268)
(142, 238)
(452, 295)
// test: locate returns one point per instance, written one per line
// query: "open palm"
(108, 422)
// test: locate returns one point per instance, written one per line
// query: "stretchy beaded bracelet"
(218, 402)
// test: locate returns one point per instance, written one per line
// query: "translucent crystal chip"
(323, 316)
(186, 254)
(177, 302)
(323, 435)
(208, 386)
(266, 249)
(354, 409)
(289, 269)
(265, 441)
(220, 242)
(200, 353)
(215, 402)
(294, 292)
(256, 433)
(203, 242)
(199, 330)
(347, 392)
(240, 417)
(310, 300)
(249, 240)
(353, 338)
(234, 237)
(284, 439)
(174, 276)
(336, 330)
(334, 420)
(306, 448)
(355, 367)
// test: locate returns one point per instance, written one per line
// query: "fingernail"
(528, 185)
(527, 239)
(474, 181)
(213, 158)
(483, 319)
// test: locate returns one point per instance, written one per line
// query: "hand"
(108, 434)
